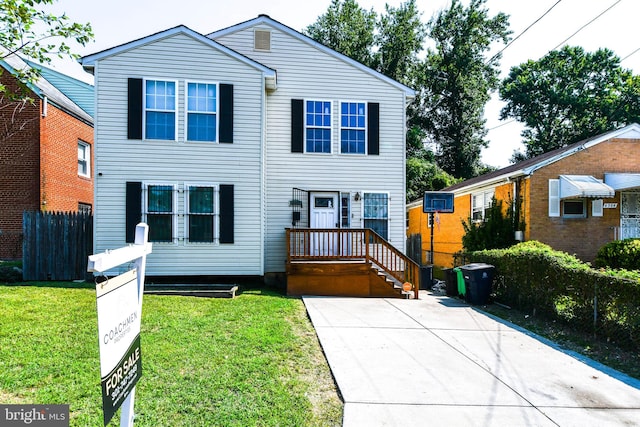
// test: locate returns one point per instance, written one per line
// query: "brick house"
(46, 155)
(575, 199)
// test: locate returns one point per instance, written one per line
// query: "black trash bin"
(478, 279)
(451, 282)
(426, 277)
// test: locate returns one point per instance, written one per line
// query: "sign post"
(119, 304)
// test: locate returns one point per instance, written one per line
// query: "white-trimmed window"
(480, 205)
(202, 213)
(376, 213)
(160, 109)
(84, 159)
(202, 111)
(353, 129)
(574, 208)
(318, 126)
(159, 211)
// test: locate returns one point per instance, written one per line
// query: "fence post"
(595, 309)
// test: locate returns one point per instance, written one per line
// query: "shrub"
(620, 254)
(533, 277)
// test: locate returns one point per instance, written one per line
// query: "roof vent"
(262, 40)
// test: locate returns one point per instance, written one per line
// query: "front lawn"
(249, 361)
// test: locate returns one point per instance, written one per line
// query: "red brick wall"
(61, 187)
(38, 164)
(581, 236)
(19, 167)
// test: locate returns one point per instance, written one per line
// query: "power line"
(524, 31)
(638, 49)
(587, 24)
(502, 124)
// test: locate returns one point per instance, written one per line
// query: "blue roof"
(79, 92)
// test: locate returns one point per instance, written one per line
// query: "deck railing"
(331, 244)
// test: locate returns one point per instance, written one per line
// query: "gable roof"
(81, 93)
(89, 61)
(529, 166)
(265, 19)
(50, 85)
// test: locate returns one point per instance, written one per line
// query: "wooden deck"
(347, 262)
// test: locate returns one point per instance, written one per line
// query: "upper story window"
(318, 126)
(353, 127)
(160, 109)
(480, 205)
(84, 159)
(202, 108)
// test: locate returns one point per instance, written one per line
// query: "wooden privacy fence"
(56, 245)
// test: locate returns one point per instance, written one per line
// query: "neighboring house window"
(201, 204)
(160, 212)
(160, 109)
(376, 213)
(318, 126)
(352, 127)
(574, 208)
(84, 159)
(84, 208)
(480, 205)
(202, 107)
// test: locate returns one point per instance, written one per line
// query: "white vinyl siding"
(310, 75)
(554, 197)
(181, 58)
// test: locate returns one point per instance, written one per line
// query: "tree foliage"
(28, 30)
(346, 28)
(455, 82)
(497, 231)
(569, 95)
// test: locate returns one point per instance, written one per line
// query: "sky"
(116, 22)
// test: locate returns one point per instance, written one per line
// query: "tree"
(569, 95)
(399, 40)
(346, 28)
(455, 82)
(37, 35)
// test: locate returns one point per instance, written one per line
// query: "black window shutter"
(133, 205)
(373, 128)
(134, 103)
(226, 213)
(297, 125)
(226, 113)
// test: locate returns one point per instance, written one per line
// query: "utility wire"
(638, 49)
(587, 24)
(523, 31)
(501, 124)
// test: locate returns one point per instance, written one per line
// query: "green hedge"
(532, 277)
(620, 254)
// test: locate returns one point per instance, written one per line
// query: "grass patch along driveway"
(249, 361)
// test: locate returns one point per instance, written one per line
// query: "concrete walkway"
(437, 361)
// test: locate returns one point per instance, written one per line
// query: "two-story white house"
(221, 142)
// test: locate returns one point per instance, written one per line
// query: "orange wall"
(61, 187)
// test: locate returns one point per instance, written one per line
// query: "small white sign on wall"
(610, 205)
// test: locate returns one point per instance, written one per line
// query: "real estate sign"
(119, 314)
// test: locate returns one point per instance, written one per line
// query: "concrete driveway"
(437, 361)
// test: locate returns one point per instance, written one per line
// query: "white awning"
(622, 181)
(584, 186)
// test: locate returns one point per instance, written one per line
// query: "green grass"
(249, 361)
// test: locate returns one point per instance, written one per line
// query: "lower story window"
(376, 213)
(159, 212)
(84, 208)
(201, 213)
(574, 208)
(480, 205)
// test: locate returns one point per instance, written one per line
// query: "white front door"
(324, 214)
